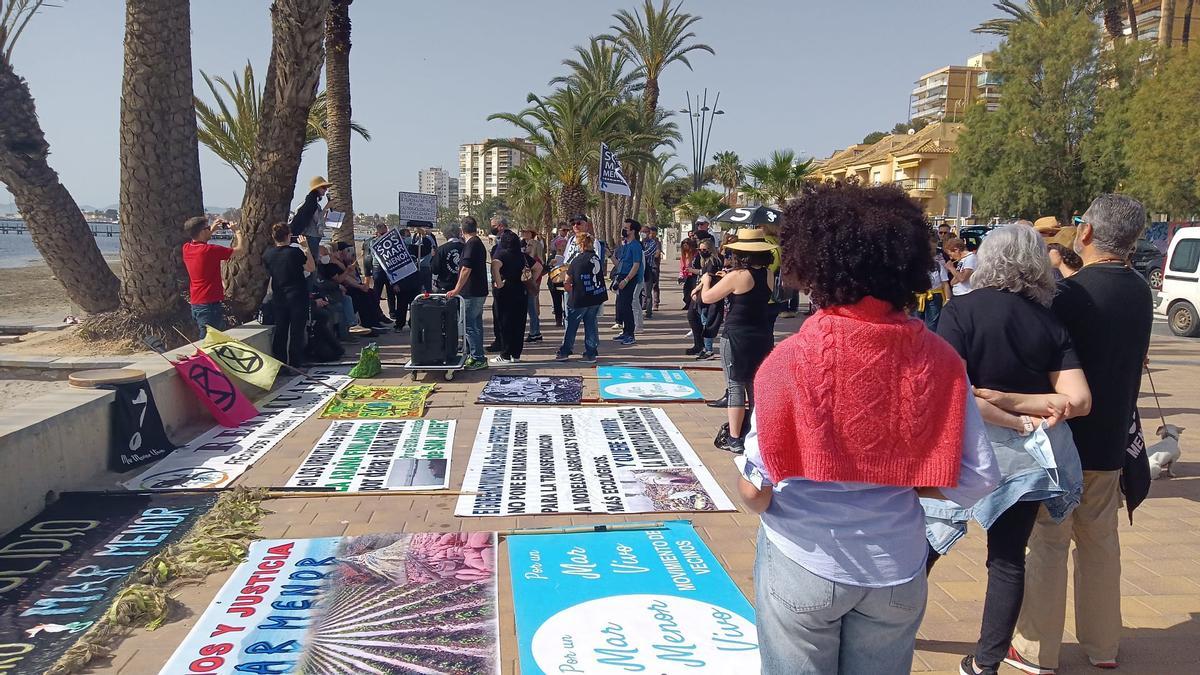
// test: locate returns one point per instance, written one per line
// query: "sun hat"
(751, 239)
(317, 183)
(1065, 236)
(1046, 225)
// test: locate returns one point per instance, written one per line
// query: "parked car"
(1180, 295)
(972, 235)
(1149, 261)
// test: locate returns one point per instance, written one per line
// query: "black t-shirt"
(285, 265)
(1108, 311)
(511, 264)
(701, 235)
(446, 262)
(587, 280)
(474, 258)
(1009, 342)
(329, 270)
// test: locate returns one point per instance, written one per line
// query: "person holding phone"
(203, 260)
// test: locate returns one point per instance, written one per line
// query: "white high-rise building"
(437, 181)
(483, 171)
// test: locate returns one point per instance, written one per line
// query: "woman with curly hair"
(854, 415)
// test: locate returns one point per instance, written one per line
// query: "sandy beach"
(32, 296)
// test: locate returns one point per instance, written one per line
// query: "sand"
(32, 296)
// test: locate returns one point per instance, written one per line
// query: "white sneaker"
(618, 326)
(688, 335)
(503, 359)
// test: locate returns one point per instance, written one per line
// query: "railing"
(918, 183)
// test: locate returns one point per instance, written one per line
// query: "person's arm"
(310, 265)
(464, 276)
(711, 294)
(978, 472)
(497, 280)
(238, 245)
(1071, 398)
(304, 214)
(756, 499)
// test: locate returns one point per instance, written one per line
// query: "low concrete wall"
(59, 442)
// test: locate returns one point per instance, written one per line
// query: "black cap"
(343, 245)
(579, 216)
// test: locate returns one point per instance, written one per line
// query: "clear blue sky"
(809, 75)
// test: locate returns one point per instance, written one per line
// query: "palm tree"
(658, 174)
(1034, 11)
(293, 72)
(55, 223)
(702, 202)
(728, 169)
(777, 179)
(532, 190)
(229, 126)
(654, 39)
(1131, 16)
(337, 84)
(1166, 23)
(603, 69)
(1187, 24)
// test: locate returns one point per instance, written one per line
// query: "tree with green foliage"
(778, 178)
(727, 167)
(702, 202)
(873, 137)
(1164, 138)
(1025, 159)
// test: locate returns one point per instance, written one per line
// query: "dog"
(1165, 452)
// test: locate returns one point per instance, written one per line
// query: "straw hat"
(318, 182)
(1065, 236)
(751, 240)
(1046, 225)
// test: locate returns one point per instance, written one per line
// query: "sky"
(810, 75)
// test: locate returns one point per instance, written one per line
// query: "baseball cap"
(343, 245)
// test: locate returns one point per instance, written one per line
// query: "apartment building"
(436, 180)
(483, 170)
(946, 93)
(1148, 14)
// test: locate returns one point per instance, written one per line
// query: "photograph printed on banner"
(524, 389)
(584, 460)
(378, 402)
(384, 455)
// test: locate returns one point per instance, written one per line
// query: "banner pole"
(582, 529)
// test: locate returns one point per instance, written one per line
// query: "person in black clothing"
(705, 320)
(556, 277)
(472, 285)
(421, 244)
(585, 282)
(447, 260)
(512, 271)
(365, 301)
(377, 273)
(1108, 311)
(701, 231)
(498, 226)
(287, 267)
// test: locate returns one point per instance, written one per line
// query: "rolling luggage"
(435, 331)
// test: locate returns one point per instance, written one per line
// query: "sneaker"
(503, 359)
(386, 322)
(688, 334)
(618, 337)
(787, 315)
(618, 326)
(628, 340)
(1017, 661)
(735, 445)
(704, 355)
(475, 364)
(967, 667)
(692, 351)
(589, 359)
(561, 357)
(1106, 664)
(534, 338)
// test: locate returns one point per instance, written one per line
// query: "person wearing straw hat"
(1064, 261)
(746, 336)
(309, 220)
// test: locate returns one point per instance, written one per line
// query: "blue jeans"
(474, 326)
(590, 316)
(535, 323)
(208, 315)
(808, 625)
(348, 312)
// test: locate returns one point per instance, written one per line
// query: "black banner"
(535, 390)
(60, 571)
(137, 437)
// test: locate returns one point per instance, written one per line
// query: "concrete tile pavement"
(1160, 589)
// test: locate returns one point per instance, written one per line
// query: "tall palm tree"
(1187, 24)
(229, 126)
(728, 169)
(776, 179)
(532, 190)
(654, 38)
(293, 72)
(658, 173)
(337, 84)
(1131, 16)
(1166, 23)
(1034, 11)
(702, 202)
(601, 68)
(55, 223)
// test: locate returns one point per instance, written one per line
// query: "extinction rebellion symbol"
(215, 385)
(237, 359)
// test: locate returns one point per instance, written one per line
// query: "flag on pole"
(612, 180)
(240, 359)
(228, 405)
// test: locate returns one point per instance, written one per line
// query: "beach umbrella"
(750, 216)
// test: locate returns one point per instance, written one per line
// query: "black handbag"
(1135, 475)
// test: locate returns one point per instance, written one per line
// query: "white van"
(1179, 299)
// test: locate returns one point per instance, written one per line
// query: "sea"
(17, 250)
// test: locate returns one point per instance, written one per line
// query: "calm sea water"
(17, 250)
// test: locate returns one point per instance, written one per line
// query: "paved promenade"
(1160, 591)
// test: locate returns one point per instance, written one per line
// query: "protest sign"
(378, 402)
(218, 456)
(612, 179)
(227, 404)
(334, 219)
(241, 360)
(418, 207)
(379, 603)
(392, 255)
(646, 384)
(593, 460)
(395, 455)
(653, 601)
(60, 571)
(523, 389)
(137, 436)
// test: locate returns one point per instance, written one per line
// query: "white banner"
(218, 456)
(418, 206)
(589, 460)
(386, 455)
(612, 179)
(392, 255)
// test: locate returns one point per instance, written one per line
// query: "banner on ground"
(418, 206)
(379, 603)
(137, 436)
(60, 571)
(227, 404)
(218, 456)
(593, 460)
(635, 601)
(612, 179)
(393, 455)
(241, 360)
(647, 384)
(378, 402)
(521, 389)
(391, 254)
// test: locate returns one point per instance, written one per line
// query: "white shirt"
(938, 277)
(967, 263)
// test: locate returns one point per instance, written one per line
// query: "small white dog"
(1165, 452)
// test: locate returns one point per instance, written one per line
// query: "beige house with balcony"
(918, 162)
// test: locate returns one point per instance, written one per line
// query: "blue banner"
(633, 601)
(646, 384)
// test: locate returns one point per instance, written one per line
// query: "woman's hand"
(1051, 408)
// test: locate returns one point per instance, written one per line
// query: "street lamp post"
(700, 122)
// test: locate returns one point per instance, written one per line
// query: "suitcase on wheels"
(434, 325)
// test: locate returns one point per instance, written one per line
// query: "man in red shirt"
(203, 262)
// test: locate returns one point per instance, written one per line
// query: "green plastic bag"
(368, 363)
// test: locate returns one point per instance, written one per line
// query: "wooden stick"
(581, 529)
(370, 493)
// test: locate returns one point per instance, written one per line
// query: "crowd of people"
(937, 381)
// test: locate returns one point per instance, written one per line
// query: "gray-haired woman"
(1028, 379)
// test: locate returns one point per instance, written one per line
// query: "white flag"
(611, 178)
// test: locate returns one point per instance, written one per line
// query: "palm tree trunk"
(337, 134)
(1132, 14)
(55, 223)
(1166, 24)
(1112, 20)
(297, 51)
(571, 199)
(1187, 24)
(160, 158)
(639, 179)
(650, 95)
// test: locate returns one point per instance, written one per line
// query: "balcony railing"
(911, 184)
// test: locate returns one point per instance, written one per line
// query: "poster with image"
(584, 460)
(535, 390)
(385, 455)
(393, 256)
(378, 603)
(378, 402)
(647, 384)
(636, 601)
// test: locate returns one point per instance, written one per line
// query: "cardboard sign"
(381, 603)
(378, 402)
(636, 601)
(228, 405)
(392, 255)
(241, 360)
(419, 207)
(392, 455)
(137, 437)
(647, 384)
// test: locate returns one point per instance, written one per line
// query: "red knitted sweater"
(862, 394)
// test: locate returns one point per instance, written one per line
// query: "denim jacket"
(1041, 467)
